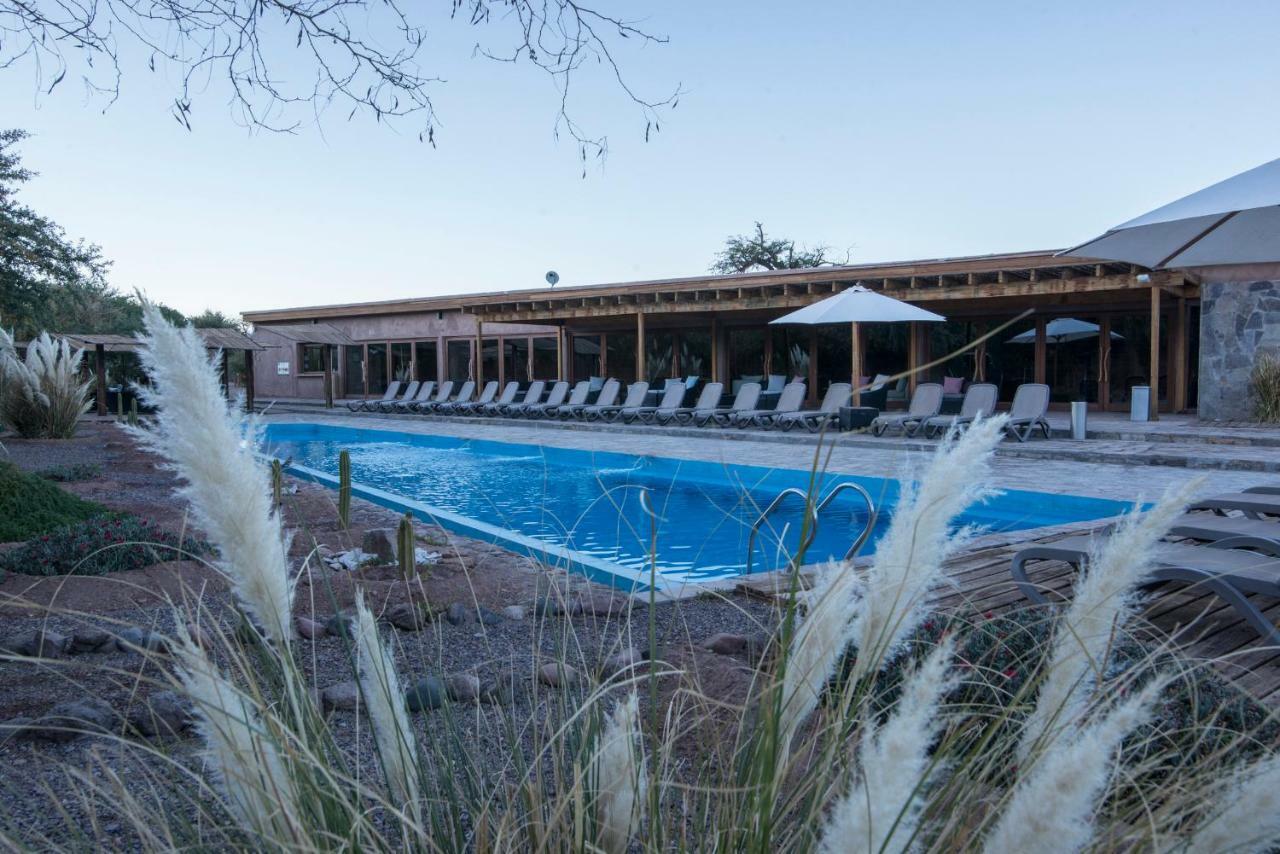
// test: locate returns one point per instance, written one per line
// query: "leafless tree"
(365, 55)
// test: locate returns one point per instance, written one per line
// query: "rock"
(90, 639)
(409, 616)
(602, 603)
(40, 643)
(424, 557)
(501, 690)
(463, 687)
(557, 674)
(457, 613)
(485, 617)
(726, 644)
(73, 719)
(554, 606)
(381, 543)
(199, 636)
(514, 612)
(310, 629)
(344, 697)
(429, 693)
(351, 561)
(134, 639)
(163, 714)
(756, 648)
(339, 625)
(626, 659)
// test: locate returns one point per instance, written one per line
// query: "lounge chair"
(555, 397)
(1265, 489)
(790, 400)
(708, 400)
(672, 399)
(413, 393)
(410, 392)
(747, 399)
(1229, 531)
(508, 397)
(1030, 404)
(589, 411)
(1230, 573)
(427, 402)
(577, 397)
(1254, 505)
(925, 404)
(464, 394)
(464, 404)
(390, 394)
(813, 420)
(532, 394)
(635, 398)
(979, 402)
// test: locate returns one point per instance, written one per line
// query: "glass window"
(586, 357)
(515, 359)
(311, 358)
(746, 354)
(458, 367)
(424, 361)
(489, 359)
(660, 356)
(835, 355)
(695, 354)
(544, 359)
(353, 371)
(377, 363)
(790, 353)
(401, 361)
(1131, 355)
(886, 348)
(620, 355)
(1011, 357)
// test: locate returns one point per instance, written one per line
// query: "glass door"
(353, 371)
(377, 363)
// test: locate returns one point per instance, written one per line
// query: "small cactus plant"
(120, 405)
(406, 547)
(344, 488)
(133, 412)
(277, 483)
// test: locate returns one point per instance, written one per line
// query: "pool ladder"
(814, 510)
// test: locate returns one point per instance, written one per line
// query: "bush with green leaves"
(1264, 388)
(70, 472)
(99, 546)
(30, 505)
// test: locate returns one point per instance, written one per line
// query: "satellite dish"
(552, 278)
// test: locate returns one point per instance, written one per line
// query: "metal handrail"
(814, 510)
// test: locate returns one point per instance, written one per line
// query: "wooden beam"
(1104, 363)
(1178, 364)
(642, 372)
(248, 381)
(100, 368)
(1040, 350)
(477, 360)
(813, 364)
(560, 374)
(1153, 409)
(327, 355)
(855, 368)
(913, 356)
(715, 350)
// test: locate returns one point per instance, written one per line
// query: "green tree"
(756, 251)
(213, 319)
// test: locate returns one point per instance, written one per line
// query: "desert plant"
(70, 472)
(98, 546)
(30, 505)
(44, 395)
(344, 488)
(277, 483)
(407, 547)
(1264, 388)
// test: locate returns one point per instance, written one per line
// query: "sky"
(891, 131)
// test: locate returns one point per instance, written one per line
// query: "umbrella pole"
(855, 376)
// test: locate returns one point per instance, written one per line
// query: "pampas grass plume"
(384, 700)
(1250, 820)
(620, 778)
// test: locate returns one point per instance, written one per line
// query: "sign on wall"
(282, 369)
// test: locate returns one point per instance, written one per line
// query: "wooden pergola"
(321, 334)
(221, 339)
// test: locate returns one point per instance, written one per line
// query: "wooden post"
(642, 372)
(855, 359)
(226, 376)
(715, 350)
(248, 381)
(1041, 350)
(913, 356)
(560, 374)
(1104, 364)
(1178, 364)
(328, 376)
(1153, 409)
(478, 358)
(980, 354)
(812, 379)
(100, 366)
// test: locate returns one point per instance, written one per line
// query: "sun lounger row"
(1228, 556)
(922, 418)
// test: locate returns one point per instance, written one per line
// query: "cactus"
(120, 405)
(344, 488)
(277, 483)
(406, 547)
(133, 412)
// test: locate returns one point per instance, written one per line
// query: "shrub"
(1264, 388)
(31, 505)
(43, 395)
(71, 472)
(99, 546)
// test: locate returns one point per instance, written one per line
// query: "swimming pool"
(583, 508)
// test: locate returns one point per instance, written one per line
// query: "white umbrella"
(857, 305)
(1236, 221)
(1060, 330)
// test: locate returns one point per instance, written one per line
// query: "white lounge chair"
(389, 394)
(1028, 410)
(979, 402)
(708, 400)
(746, 400)
(408, 401)
(507, 398)
(635, 398)
(672, 398)
(925, 404)
(555, 397)
(532, 394)
(410, 392)
(790, 400)
(577, 397)
(424, 403)
(465, 407)
(441, 400)
(590, 411)
(813, 420)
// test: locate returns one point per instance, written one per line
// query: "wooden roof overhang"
(307, 333)
(215, 338)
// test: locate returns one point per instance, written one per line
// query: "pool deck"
(1125, 462)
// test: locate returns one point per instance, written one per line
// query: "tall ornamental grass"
(850, 738)
(1264, 388)
(41, 395)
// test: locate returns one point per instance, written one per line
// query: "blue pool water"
(583, 507)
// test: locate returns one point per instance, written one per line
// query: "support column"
(1178, 364)
(100, 367)
(980, 354)
(477, 357)
(715, 350)
(1153, 410)
(226, 376)
(642, 368)
(1104, 364)
(328, 376)
(812, 379)
(855, 359)
(560, 372)
(1041, 350)
(913, 357)
(248, 381)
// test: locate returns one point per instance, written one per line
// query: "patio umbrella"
(1236, 221)
(1060, 330)
(857, 305)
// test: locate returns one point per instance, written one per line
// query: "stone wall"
(1238, 320)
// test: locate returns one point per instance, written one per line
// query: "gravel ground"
(475, 574)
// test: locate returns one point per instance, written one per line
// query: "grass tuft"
(30, 505)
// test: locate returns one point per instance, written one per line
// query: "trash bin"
(1079, 420)
(1140, 403)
